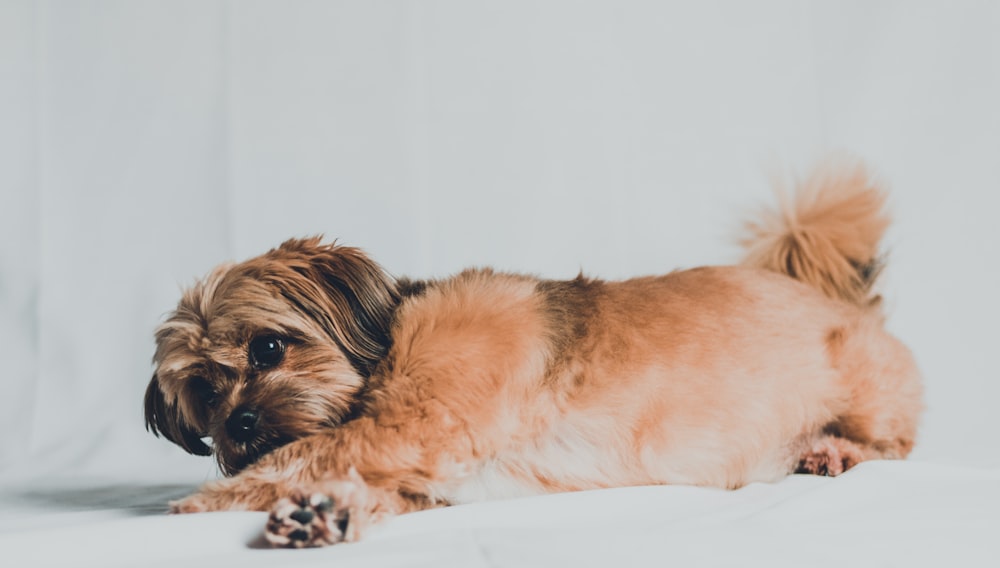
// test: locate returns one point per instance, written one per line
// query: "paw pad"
(306, 522)
(830, 457)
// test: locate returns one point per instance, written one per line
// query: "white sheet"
(879, 514)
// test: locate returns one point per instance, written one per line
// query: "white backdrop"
(143, 142)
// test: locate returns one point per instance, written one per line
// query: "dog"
(336, 396)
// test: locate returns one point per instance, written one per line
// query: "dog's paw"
(226, 495)
(334, 513)
(307, 522)
(191, 504)
(830, 456)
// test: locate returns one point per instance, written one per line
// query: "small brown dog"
(335, 395)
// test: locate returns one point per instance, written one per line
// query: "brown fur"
(394, 396)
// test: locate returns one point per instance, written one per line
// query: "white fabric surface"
(142, 143)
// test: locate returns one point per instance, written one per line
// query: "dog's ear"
(358, 297)
(163, 418)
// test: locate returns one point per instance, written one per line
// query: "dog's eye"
(266, 351)
(204, 391)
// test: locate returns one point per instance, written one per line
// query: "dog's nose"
(242, 424)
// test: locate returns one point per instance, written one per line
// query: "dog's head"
(263, 352)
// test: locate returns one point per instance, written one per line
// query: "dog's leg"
(387, 457)
(329, 488)
(312, 514)
(879, 420)
(314, 491)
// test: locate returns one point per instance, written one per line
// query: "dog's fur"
(393, 395)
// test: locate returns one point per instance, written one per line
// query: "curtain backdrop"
(143, 142)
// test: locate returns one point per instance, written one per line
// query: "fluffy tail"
(827, 235)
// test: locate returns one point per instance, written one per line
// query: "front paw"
(196, 503)
(336, 513)
(225, 496)
(307, 522)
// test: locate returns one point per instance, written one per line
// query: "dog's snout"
(242, 424)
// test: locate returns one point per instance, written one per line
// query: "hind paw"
(830, 456)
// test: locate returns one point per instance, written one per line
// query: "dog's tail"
(827, 235)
